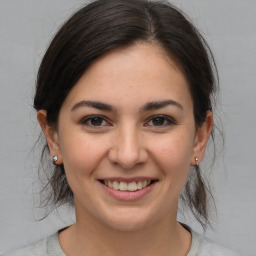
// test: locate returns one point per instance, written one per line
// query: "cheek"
(173, 154)
(81, 154)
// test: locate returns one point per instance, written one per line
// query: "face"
(126, 136)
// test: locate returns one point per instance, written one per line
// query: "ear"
(50, 134)
(201, 139)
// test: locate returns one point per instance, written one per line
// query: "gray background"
(25, 29)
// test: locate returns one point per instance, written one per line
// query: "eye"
(95, 121)
(160, 121)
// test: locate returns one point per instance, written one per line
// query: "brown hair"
(103, 26)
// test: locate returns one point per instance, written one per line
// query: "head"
(99, 31)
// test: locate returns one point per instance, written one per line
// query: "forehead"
(140, 73)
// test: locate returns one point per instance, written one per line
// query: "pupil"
(158, 121)
(96, 121)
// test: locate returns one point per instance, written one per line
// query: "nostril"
(127, 155)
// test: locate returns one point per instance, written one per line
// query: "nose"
(127, 148)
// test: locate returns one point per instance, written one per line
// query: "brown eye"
(95, 121)
(160, 121)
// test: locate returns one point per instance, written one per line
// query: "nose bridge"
(128, 149)
(128, 140)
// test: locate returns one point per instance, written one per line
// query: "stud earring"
(54, 159)
(196, 159)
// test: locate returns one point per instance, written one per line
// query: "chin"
(128, 220)
(122, 224)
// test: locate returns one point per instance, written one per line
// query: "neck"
(89, 237)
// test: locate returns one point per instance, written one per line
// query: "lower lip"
(128, 195)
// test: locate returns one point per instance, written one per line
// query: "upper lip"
(132, 179)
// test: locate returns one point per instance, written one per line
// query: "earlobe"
(50, 134)
(202, 135)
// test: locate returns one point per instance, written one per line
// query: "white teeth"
(123, 186)
(132, 186)
(115, 185)
(144, 183)
(139, 185)
(109, 184)
(127, 186)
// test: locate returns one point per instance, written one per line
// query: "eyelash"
(167, 120)
(85, 121)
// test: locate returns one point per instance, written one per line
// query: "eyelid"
(170, 120)
(90, 117)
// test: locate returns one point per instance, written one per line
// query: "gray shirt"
(51, 247)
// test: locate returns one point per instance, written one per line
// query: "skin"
(127, 143)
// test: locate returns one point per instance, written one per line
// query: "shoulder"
(36, 249)
(207, 247)
(48, 246)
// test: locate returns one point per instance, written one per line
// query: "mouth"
(127, 186)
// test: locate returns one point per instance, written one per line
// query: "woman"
(124, 98)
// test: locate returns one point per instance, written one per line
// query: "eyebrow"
(94, 104)
(154, 105)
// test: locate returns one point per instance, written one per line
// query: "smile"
(127, 189)
(127, 186)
